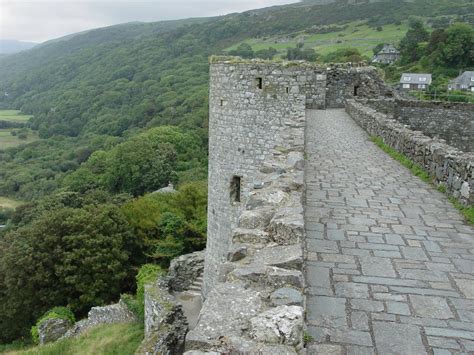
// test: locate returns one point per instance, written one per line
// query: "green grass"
(117, 339)
(9, 203)
(13, 116)
(356, 35)
(467, 211)
(9, 141)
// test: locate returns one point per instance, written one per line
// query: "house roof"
(388, 49)
(415, 78)
(466, 78)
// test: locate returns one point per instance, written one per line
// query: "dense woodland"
(121, 112)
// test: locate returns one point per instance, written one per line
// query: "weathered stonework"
(165, 323)
(112, 314)
(450, 121)
(184, 270)
(253, 277)
(447, 165)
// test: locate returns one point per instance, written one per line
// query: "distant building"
(464, 82)
(415, 81)
(387, 55)
(166, 190)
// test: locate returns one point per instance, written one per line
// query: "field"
(13, 116)
(8, 203)
(356, 35)
(7, 140)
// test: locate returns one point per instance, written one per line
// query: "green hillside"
(122, 111)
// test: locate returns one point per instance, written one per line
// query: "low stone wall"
(453, 122)
(447, 165)
(165, 323)
(450, 121)
(112, 314)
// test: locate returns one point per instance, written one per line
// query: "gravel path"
(390, 262)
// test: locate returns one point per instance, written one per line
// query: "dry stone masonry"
(450, 121)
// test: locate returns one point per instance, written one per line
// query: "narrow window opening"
(287, 90)
(260, 83)
(222, 102)
(235, 189)
(356, 90)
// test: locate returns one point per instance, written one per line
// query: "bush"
(147, 274)
(54, 313)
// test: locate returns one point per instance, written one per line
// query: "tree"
(244, 50)
(458, 48)
(344, 55)
(76, 257)
(410, 45)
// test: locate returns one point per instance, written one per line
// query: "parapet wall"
(453, 122)
(450, 121)
(447, 165)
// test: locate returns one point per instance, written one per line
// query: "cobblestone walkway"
(390, 263)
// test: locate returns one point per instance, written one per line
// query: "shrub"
(147, 274)
(54, 313)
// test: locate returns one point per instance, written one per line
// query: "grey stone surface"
(185, 269)
(431, 307)
(393, 338)
(286, 297)
(115, 313)
(280, 325)
(52, 329)
(226, 312)
(400, 269)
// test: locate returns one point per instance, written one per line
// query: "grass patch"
(8, 203)
(7, 140)
(356, 35)
(467, 211)
(13, 116)
(117, 339)
(402, 159)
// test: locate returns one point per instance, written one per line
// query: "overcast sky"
(41, 20)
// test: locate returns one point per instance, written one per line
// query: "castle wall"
(346, 82)
(453, 122)
(249, 125)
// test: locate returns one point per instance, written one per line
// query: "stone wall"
(345, 81)
(453, 122)
(447, 165)
(249, 125)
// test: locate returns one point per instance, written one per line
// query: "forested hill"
(138, 72)
(93, 90)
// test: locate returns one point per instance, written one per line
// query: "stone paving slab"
(389, 261)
